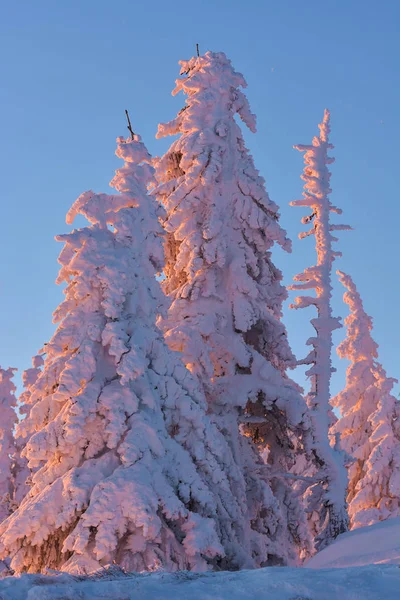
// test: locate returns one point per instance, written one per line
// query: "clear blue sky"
(70, 68)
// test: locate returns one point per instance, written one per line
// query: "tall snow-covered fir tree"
(369, 425)
(325, 501)
(126, 465)
(8, 419)
(227, 296)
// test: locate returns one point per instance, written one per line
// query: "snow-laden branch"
(272, 474)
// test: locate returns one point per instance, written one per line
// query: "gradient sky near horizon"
(69, 69)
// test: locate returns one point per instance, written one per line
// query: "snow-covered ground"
(363, 583)
(350, 569)
(378, 544)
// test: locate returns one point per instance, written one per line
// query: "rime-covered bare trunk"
(325, 501)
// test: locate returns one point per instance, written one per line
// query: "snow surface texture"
(377, 544)
(325, 503)
(126, 465)
(363, 583)
(369, 425)
(227, 297)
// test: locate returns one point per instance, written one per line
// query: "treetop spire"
(210, 81)
(359, 340)
(325, 127)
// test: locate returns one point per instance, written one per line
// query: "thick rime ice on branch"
(8, 420)
(325, 502)
(227, 295)
(369, 425)
(126, 465)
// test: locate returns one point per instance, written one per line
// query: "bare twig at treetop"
(129, 126)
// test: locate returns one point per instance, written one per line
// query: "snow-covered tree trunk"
(325, 502)
(8, 419)
(127, 467)
(369, 425)
(227, 295)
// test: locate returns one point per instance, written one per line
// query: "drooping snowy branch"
(369, 425)
(326, 504)
(126, 465)
(227, 294)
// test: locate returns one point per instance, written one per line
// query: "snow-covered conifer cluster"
(126, 465)
(159, 428)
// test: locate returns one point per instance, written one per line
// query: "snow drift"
(377, 544)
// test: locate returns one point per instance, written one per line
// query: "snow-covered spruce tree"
(325, 501)
(8, 420)
(227, 296)
(369, 425)
(127, 467)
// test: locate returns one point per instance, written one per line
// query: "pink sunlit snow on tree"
(126, 465)
(227, 296)
(369, 425)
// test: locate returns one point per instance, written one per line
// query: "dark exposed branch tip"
(129, 126)
(197, 50)
(9, 570)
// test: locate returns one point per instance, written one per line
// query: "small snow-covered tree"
(227, 295)
(325, 501)
(127, 467)
(369, 425)
(24, 429)
(8, 420)
(29, 395)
